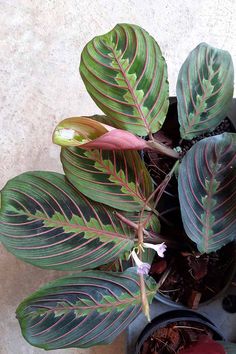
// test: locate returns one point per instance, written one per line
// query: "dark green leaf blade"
(46, 222)
(115, 178)
(204, 90)
(82, 310)
(126, 75)
(207, 192)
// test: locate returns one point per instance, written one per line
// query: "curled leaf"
(90, 134)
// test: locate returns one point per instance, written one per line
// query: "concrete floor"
(41, 42)
(17, 281)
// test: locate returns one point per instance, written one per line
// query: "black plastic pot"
(230, 275)
(174, 316)
(171, 128)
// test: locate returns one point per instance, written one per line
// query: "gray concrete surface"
(225, 322)
(41, 42)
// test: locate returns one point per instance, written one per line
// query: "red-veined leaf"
(115, 178)
(82, 310)
(126, 75)
(207, 192)
(90, 134)
(46, 222)
(204, 90)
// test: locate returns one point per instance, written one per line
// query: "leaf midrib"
(108, 305)
(74, 226)
(208, 213)
(137, 105)
(196, 112)
(121, 182)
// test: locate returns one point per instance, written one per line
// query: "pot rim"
(167, 300)
(174, 316)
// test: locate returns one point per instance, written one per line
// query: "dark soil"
(192, 278)
(223, 127)
(175, 337)
(159, 165)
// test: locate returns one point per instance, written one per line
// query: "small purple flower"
(142, 267)
(160, 249)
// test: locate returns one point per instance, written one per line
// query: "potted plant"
(105, 209)
(184, 332)
(192, 277)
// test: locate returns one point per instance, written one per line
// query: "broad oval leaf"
(126, 75)
(82, 310)
(204, 90)
(90, 134)
(46, 222)
(115, 178)
(207, 192)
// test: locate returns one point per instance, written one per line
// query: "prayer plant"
(105, 207)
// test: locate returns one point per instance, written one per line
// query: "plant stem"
(144, 299)
(168, 211)
(162, 149)
(140, 233)
(145, 304)
(160, 189)
(150, 136)
(164, 183)
(130, 223)
(149, 236)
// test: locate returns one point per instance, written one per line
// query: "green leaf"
(126, 75)
(118, 179)
(82, 310)
(46, 222)
(125, 262)
(204, 90)
(207, 192)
